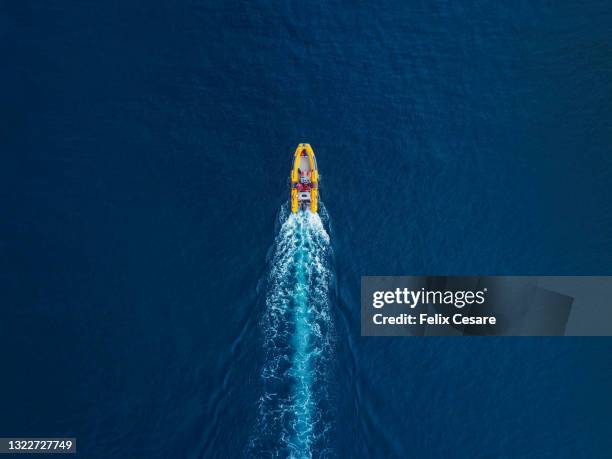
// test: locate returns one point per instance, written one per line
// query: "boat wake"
(293, 416)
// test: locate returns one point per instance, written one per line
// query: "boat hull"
(304, 163)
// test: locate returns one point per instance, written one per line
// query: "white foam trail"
(297, 340)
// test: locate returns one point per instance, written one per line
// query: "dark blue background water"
(146, 151)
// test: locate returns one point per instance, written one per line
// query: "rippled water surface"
(157, 303)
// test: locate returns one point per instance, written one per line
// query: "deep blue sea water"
(146, 152)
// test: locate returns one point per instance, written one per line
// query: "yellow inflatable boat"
(304, 180)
